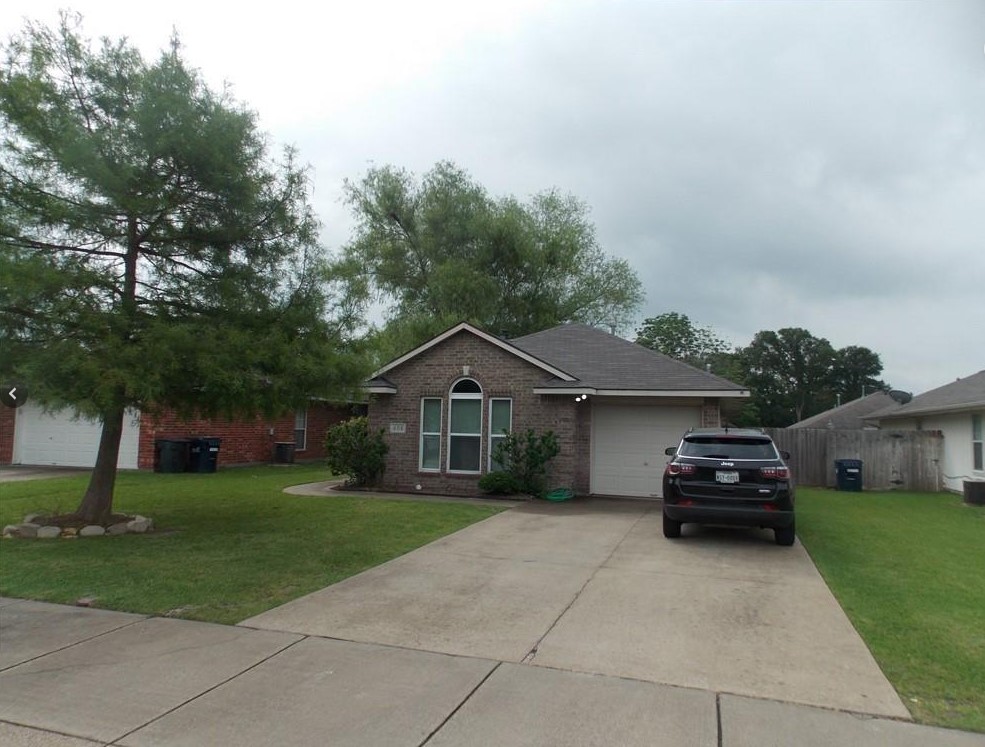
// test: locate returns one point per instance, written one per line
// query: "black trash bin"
(284, 452)
(171, 454)
(848, 473)
(204, 454)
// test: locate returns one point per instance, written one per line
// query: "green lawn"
(229, 545)
(909, 569)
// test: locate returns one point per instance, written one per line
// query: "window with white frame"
(300, 430)
(500, 423)
(430, 456)
(465, 427)
(977, 458)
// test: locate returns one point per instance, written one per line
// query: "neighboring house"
(614, 405)
(958, 411)
(851, 415)
(29, 435)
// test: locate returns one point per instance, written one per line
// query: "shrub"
(499, 483)
(525, 456)
(355, 452)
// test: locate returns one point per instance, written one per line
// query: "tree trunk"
(97, 503)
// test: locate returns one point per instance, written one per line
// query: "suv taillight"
(675, 468)
(775, 473)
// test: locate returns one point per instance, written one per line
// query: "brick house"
(614, 406)
(28, 435)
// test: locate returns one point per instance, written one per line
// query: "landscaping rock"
(69, 532)
(28, 529)
(48, 532)
(139, 525)
(33, 518)
(92, 530)
(11, 531)
(120, 528)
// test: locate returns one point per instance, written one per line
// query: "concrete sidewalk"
(74, 677)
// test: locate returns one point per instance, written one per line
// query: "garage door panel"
(58, 439)
(628, 445)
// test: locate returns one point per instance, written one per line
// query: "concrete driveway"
(19, 472)
(573, 624)
(593, 587)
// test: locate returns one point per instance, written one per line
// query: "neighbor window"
(300, 430)
(500, 423)
(465, 427)
(976, 443)
(431, 433)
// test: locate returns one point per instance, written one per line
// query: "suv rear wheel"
(672, 529)
(785, 535)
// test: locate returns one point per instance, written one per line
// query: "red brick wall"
(500, 374)
(244, 440)
(6, 435)
(711, 416)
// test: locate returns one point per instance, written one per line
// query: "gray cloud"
(760, 164)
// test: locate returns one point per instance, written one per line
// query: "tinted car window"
(728, 448)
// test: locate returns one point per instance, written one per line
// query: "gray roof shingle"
(964, 394)
(604, 361)
(851, 415)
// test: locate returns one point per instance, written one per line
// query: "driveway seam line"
(718, 718)
(459, 707)
(528, 657)
(76, 643)
(46, 730)
(168, 712)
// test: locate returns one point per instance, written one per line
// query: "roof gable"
(492, 339)
(964, 394)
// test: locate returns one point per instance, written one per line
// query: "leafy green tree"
(676, 335)
(854, 373)
(789, 372)
(440, 250)
(153, 255)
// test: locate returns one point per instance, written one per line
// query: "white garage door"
(57, 439)
(628, 443)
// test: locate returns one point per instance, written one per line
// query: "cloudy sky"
(760, 164)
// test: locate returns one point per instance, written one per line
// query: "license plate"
(727, 477)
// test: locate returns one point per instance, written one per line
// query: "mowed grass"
(909, 570)
(228, 545)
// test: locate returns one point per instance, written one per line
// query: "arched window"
(465, 426)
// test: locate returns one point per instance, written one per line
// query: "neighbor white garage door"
(57, 439)
(628, 443)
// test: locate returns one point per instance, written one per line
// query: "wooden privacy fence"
(892, 460)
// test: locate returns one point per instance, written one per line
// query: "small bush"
(355, 452)
(525, 457)
(499, 483)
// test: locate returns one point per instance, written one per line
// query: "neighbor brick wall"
(500, 374)
(7, 415)
(711, 416)
(244, 440)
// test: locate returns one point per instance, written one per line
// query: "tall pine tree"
(152, 255)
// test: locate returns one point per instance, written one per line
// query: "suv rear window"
(728, 448)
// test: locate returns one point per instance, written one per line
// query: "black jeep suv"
(728, 476)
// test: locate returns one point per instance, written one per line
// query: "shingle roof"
(964, 394)
(604, 361)
(851, 415)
